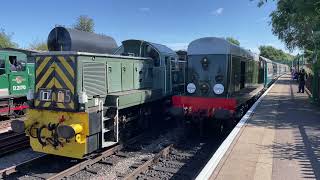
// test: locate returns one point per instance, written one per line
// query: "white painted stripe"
(207, 171)
(4, 92)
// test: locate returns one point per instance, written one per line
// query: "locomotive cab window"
(154, 55)
(16, 65)
(166, 59)
(2, 67)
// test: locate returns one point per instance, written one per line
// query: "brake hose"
(30, 131)
(39, 135)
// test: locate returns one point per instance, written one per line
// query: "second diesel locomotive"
(16, 79)
(86, 101)
(222, 79)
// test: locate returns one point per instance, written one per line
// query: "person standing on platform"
(302, 81)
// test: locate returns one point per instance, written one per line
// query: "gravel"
(134, 153)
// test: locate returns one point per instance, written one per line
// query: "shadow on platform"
(291, 115)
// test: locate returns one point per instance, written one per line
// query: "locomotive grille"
(94, 78)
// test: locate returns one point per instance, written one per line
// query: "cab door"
(18, 80)
(4, 90)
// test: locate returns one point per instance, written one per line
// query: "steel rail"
(163, 153)
(82, 165)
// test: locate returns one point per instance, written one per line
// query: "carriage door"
(242, 74)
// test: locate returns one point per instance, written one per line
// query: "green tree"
(5, 40)
(39, 45)
(84, 23)
(296, 23)
(275, 54)
(233, 41)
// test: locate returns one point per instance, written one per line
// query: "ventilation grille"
(94, 79)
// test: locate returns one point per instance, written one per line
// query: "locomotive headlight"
(191, 88)
(218, 88)
(204, 88)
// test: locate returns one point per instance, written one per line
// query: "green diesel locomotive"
(16, 79)
(85, 101)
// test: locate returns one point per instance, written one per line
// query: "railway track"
(122, 158)
(168, 156)
(10, 141)
(182, 161)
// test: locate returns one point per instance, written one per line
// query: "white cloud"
(217, 12)
(144, 9)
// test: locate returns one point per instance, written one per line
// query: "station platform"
(279, 141)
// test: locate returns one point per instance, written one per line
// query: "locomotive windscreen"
(66, 39)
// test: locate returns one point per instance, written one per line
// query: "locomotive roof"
(162, 49)
(214, 45)
(265, 59)
(76, 53)
(25, 51)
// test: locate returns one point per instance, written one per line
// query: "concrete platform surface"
(281, 141)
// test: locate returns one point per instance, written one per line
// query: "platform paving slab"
(280, 141)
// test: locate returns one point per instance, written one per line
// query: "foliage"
(84, 23)
(233, 41)
(297, 24)
(5, 40)
(41, 46)
(275, 54)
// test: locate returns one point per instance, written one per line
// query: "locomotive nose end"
(69, 131)
(17, 126)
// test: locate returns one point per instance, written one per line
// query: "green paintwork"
(114, 76)
(124, 77)
(16, 82)
(132, 98)
(127, 76)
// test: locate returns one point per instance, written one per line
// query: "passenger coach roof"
(214, 45)
(265, 59)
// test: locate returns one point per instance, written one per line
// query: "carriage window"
(166, 60)
(2, 67)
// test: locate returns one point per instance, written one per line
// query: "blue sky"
(174, 23)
